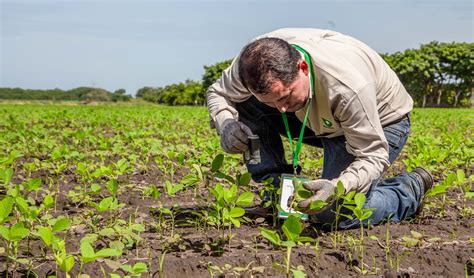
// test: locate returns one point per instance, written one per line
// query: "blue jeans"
(392, 199)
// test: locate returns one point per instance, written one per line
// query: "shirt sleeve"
(223, 94)
(365, 140)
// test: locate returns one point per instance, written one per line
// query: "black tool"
(252, 155)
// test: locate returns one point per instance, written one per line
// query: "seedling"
(64, 260)
(88, 254)
(440, 190)
(227, 208)
(361, 214)
(414, 240)
(172, 189)
(48, 233)
(109, 204)
(340, 199)
(133, 271)
(292, 229)
(13, 236)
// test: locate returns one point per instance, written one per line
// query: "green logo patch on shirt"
(327, 123)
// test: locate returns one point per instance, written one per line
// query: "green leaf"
(104, 204)
(288, 243)
(224, 176)
(48, 201)
(416, 234)
(236, 212)
(18, 232)
(86, 250)
(373, 237)
(108, 252)
(116, 244)
(107, 232)
(410, 242)
(137, 227)
(112, 186)
(359, 199)
(271, 236)
(7, 176)
(5, 233)
(230, 195)
(366, 214)
(292, 227)
(22, 205)
(34, 184)
(140, 267)
(190, 180)
(236, 222)
(128, 268)
(96, 188)
(245, 179)
(305, 239)
(317, 205)
(173, 189)
(298, 273)
(340, 188)
(46, 235)
(460, 176)
(198, 171)
(217, 163)
(6, 207)
(67, 264)
(245, 199)
(436, 190)
(61, 225)
(301, 192)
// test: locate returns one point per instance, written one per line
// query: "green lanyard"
(296, 151)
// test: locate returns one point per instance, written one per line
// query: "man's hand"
(323, 190)
(234, 137)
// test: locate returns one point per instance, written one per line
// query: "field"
(146, 190)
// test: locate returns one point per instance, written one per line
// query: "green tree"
(120, 95)
(213, 72)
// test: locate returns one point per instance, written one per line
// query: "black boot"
(427, 183)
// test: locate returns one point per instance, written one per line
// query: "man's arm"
(223, 94)
(365, 140)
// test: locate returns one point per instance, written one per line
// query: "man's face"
(289, 98)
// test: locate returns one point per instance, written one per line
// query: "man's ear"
(304, 67)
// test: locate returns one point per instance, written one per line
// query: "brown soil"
(444, 250)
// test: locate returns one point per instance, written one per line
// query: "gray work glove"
(322, 189)
(234, 137)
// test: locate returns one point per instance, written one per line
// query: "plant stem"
(361, 246)
(162, 260)
(288, 256)
(8, 258)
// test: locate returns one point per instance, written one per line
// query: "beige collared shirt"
(355, 94)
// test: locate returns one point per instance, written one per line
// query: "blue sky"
(130, 44)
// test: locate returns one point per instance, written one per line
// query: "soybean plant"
(227, 208)
(292, 229)
(361, 214)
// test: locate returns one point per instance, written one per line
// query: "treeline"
(436, 75)
(187, 93)
(86, 94)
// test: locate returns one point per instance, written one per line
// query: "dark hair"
(266, 61)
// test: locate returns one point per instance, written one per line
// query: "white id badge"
(287, 190)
